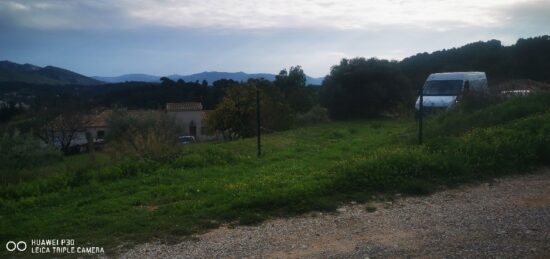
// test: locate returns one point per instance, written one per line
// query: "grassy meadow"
(110, 202)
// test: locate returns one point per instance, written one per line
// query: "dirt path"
(508, 218)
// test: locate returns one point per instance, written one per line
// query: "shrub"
(235, 116)
(18, 151)
(147, 135)
(473, 101)
(461, 120)
(316, 115)
(361, 88)
(513, 145)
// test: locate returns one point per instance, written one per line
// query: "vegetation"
(9, 110)
(147, 135)
(371, 79)
(313, 168)
(235, 116)
(11, 72)
(292, 85)
(316, 115)
(527, 59)
(360, 88)
(152, 188)
(21, 152)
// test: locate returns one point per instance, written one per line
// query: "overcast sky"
(113, 37)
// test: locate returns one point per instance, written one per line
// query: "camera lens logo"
(20, 246)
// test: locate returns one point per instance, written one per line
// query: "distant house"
(190, 116)
(72, 131)
(97, 125)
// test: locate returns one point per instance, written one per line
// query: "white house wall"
(184, 119)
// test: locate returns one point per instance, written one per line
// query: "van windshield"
(443, 87)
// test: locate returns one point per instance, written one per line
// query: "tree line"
(364, 88)
(354, 88)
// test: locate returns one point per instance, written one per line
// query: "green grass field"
(126, 201)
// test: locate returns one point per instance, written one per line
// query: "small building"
(97, 125)
(190, 116)
(73, 131)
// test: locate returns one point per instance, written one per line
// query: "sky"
(164, 37)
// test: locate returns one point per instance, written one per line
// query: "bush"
(18, 151)
(473, 101)
(235, 116)
(465, 117)
(316, 115)
(147, 135)
(514, 145)
(361, 88)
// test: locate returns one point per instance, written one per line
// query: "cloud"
(254, 14)
(532, 15)
(58, 14)
(188, 36)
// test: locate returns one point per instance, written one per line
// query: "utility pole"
(421, 114)
(258, 121)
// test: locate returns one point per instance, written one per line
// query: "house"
(71, 131)
(97, 125)
(190, 116)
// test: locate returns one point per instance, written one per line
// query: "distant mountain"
(210, 77)
(128, 78)
(28, 73)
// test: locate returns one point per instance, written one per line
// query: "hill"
(209, 76)
(128, 78)
(28, 73)
(526, 59)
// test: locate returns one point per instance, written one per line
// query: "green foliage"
(80, 176)
(492, 147)
(235, 116)
(19, 151)
(292, 85)
(206, 157)
(316, 115)
(525, 59)
(310, 168)
(148, 135)
(360, 88)
(461, 120)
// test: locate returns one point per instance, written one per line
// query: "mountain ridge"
(29, 73)
(209, 76)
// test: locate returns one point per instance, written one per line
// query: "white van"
(443, 90)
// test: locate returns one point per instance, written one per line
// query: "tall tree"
(292, 85)
(360, 88)
(63, 130)
(235, 116)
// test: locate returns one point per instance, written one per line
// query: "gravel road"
(507, 218)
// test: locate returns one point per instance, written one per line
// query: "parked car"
(443, 90)
(186, 139)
